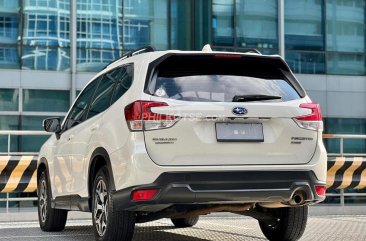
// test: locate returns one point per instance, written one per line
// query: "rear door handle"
(94, 127)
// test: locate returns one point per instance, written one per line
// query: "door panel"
(79, 155)
(66, 180)
(63, 178)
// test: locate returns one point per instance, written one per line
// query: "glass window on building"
(346, 36)
(223, 22)
(304, 28)
(9, 22)
(345, 25)
(46, 58)
(202, 23)
(46, 34)
(105, 31)
(346, 63)
(9, 99)
(46, 100)
(190, 24)
(181, 24)
(246, 24)
(146, 23)
(94, 60)
(99, 24)
(306, 62)
(257, 24)
(99, 31)
(304, 36)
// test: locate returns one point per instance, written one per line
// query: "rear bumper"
(221, 188)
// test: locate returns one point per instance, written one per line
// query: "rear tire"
(185, 222)
(50, 219)
(108, 223)
(289, 226)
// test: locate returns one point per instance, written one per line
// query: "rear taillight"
(312, 121)
(139, 116)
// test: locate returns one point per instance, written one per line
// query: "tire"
(108, 223)
(50, 219)
(185, 222)
(289, 226)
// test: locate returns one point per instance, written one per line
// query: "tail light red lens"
(314, 120)
(320, 190)
(143, 195)
(316, 114)
(139, 116)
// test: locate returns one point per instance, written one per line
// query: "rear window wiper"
(246, 98)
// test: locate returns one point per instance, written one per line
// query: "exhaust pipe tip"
(298, 198)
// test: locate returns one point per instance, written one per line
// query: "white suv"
(179, 134)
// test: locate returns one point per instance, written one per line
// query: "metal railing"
(9, 134)
(341, 138)
(342, 153)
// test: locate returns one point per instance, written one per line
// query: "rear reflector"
(143, 195)
(139, 116)
(314, 120)
(320, 190)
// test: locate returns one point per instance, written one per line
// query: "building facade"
(49, 49)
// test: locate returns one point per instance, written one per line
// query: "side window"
(112, 86)
(124, 78)
(102, 97)
(79, 110)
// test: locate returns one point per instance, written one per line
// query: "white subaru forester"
(179, 134)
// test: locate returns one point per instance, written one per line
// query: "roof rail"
(132, 53)
(256, 51)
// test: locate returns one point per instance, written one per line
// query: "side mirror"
(52, 125)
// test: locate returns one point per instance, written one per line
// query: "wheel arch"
(43, 166)
(99, 158)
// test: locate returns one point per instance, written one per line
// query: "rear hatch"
(223, 109)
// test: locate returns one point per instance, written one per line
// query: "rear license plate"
(239, 132)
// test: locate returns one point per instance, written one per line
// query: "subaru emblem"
(240, 111)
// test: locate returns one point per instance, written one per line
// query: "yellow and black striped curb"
(346, 172)
(18, 173)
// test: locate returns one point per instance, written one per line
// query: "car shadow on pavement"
(147, 233)
(161, 233)
(165, 233)
(142, 233)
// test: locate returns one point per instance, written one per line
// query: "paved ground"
(230, 228)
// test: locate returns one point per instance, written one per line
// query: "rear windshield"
(220, 79)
